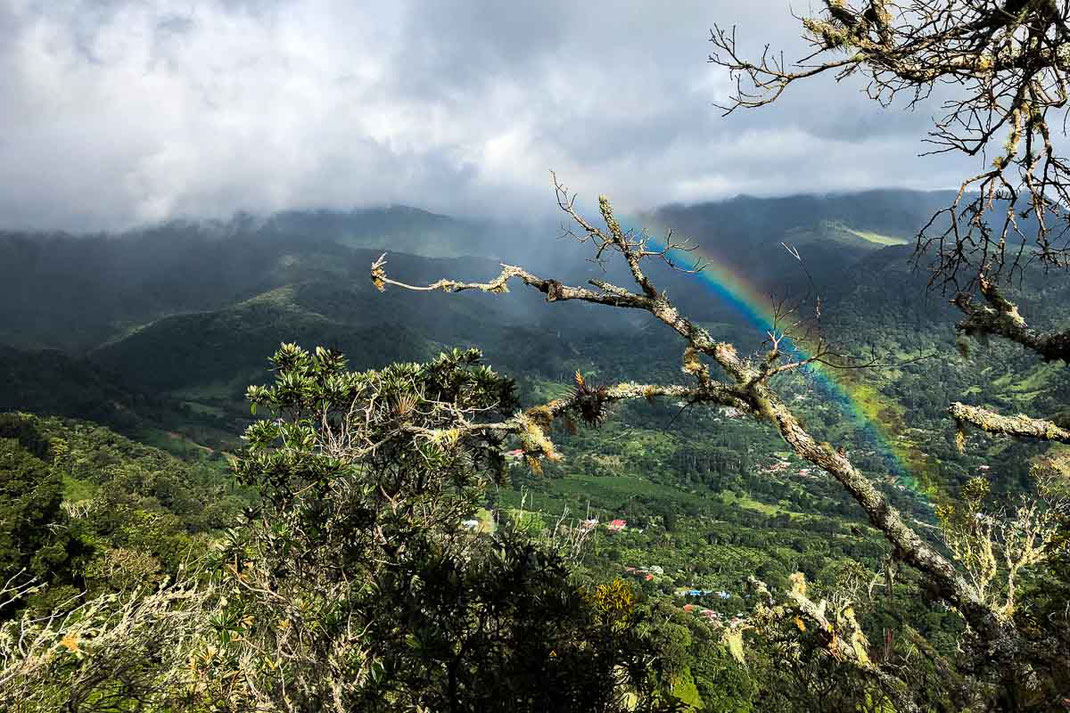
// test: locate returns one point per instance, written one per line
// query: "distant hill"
(51, 382)
(76, 293)
(397, 229)
(235, 342)
(831, 232)
(893, 212)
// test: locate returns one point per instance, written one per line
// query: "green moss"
(685, 689)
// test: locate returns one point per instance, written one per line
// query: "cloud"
(119, 112)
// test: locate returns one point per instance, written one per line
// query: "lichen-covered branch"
(999, 316)
(748, 388)
(1019, 426)
(994, 548)
(532, 426)
(833, 623)
(555, 291)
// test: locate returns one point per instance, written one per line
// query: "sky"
(116, 113)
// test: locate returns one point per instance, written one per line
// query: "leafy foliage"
(30, 499)
(358, 582)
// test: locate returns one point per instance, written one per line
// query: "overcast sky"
(120, 112)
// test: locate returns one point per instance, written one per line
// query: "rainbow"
(867, 409)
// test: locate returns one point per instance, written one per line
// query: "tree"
(34, 543)
(1004, 67)
(720, 376)
(355, 586)
(1007, 64)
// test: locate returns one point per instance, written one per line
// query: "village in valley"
(697, 529)
(720, 601)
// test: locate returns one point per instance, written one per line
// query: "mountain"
(826, 233)
(51, 382)
(830, 233)
(189, 312)
(77, 292)
(896, 213)
(215, 347)
(397, 228)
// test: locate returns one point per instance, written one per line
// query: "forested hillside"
(682, 503)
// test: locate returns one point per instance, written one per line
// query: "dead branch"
(749, 388)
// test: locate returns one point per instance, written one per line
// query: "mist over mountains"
(78, 292)
(161, 329)
(165, 327)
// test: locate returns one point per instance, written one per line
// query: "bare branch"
(1009, 63)
(748, 388)
(555, 291)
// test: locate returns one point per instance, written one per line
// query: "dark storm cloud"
(119, 112)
